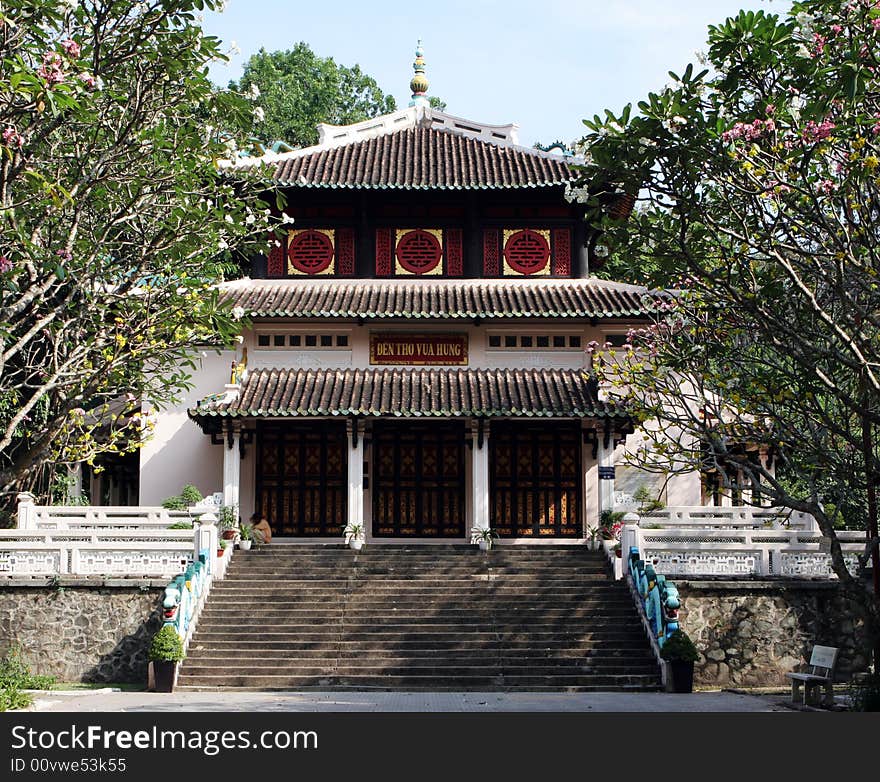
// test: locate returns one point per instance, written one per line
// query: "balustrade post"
(27, 511)
(629, 537)
(205, 539)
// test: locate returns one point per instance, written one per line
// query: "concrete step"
(425, 683)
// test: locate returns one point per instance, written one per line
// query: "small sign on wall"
(606, 473)
(419, 349)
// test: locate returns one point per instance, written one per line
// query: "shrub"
(16, 674)
(166, 646)
(14, 699)
(864, 694)
(182, 524)
(679, 647)
(191, 495)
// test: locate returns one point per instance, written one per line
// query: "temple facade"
(417, 360)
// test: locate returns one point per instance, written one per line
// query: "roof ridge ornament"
(419, 82)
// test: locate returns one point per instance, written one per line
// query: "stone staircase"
(419, 618)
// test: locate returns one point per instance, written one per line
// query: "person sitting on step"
(261, 528)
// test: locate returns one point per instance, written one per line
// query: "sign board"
(606, 473)
(419, 349)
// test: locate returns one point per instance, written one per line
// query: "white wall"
(179, 453)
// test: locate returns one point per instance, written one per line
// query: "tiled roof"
(417, 158)
(444, 299)
(479, 393)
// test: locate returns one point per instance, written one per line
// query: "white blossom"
(254, 92)
(238, 312)
(259, 114)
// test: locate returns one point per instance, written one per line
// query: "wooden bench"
(821, 673)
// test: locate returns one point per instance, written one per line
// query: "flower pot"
(681, 675)
(228, 534)
(163, 671)
(245, 545)
(594, 545)
(220, 552)
(355, 545)
(484, 545)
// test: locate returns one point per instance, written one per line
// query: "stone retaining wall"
(751, 632)
(89, 630)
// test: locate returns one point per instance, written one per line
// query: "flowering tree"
(759, 190)
(116, 219)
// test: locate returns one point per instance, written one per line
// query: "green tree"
(116, 220)
(759, 195)
(296, 89)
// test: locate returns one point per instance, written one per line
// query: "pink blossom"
(71, 48)
(770, 109)
(88, 80)
(836, 29)
(813, 132)
(827, 186)
(51, 70)
(5, 264)
(12, 138)
(64, 255)
(875, 23)
(749, 131)
(820, 41)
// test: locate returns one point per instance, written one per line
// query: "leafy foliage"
(297, 89)
(116, 220)
(758, 187)
(679, 647)
(15, 676)
(166, 645)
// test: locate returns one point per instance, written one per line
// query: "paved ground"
(107, 701)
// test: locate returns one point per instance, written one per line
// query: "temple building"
(417, 360)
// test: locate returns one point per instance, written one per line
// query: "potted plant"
(617, 550)
(247, 535)
(354, 536)
(221, 550)
(227, 522)
(593, 538)
(166, 651)
(681, 654)
(610, 523)
(483, 537)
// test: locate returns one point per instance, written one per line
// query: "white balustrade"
(59, 517)
(742, 551)
(97, 552)
(739, 517)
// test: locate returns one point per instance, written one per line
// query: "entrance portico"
(420, 454)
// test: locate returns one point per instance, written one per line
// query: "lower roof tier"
(589, 299)
(470, 393)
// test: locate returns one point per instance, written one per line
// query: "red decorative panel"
(383, 252)
(526, 252)
(454, 258)
(419, 252)
(491, 239)
(562, 252)
(275, 266)
(310, 252)
(345, 252)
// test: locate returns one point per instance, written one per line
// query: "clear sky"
(544, 64)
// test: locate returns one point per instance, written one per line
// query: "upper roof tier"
(441, 299)
(417, 148)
